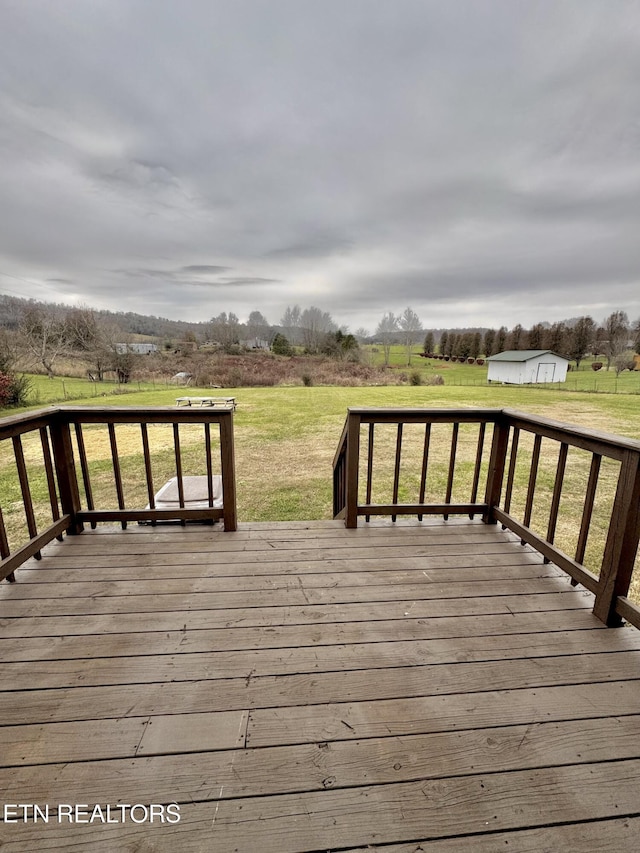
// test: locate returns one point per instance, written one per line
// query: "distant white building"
(138, 349)
(255, 343)
(526, 367)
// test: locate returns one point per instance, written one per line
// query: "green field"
(454, 373)
(286, 438)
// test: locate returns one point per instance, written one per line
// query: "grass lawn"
(454, 373)
(286, 438)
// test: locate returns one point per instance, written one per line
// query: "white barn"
(525, 367)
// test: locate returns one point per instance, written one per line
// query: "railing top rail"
(341, 442)
(143, 414)
(608, 443)
(370, 412)
(598, 441)
(395, 415)
(25, 422)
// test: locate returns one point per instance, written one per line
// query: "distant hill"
(12, 307)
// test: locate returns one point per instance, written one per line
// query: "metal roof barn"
(527, 367)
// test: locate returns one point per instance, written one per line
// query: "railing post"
(66, 472)
(497, 463)
(228, 471)
(353, 463)
(622, 541)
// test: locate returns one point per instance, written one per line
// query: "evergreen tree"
(582, 337)
(557, 338)
(489, 342)
(428, 343)
(536, 337)
(281, 345)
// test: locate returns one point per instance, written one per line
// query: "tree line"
(47, 332)
(616, 339)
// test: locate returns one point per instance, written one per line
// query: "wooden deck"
(302, 687)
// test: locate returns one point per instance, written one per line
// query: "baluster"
(4, 547)
(51, 482)
(369, 467)
(207, 450)
(478, 465)
(512, 470)
(425, 462)
(176, 446)
(452, 465)
(84, 467)
(557, 492)
(147, 469)
(396, 473)
(587, 511)
(116, 470)
(532, 482)
(26, 491)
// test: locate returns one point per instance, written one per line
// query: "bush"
(14, 390)
(415, 378)
(596, 365)
(480, 361)
(281, 345)
(307, 380)
(436, 379)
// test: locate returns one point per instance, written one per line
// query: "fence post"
(66, 471)
(497, 464)
(353, 461)
(622, 541)
(228, 466)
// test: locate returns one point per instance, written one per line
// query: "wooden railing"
(62, 467)
(498, 470)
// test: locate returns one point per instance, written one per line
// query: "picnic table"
(225, 402)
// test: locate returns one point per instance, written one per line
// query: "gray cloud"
(475, 161)
(207, 269)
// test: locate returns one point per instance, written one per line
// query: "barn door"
(546, 371)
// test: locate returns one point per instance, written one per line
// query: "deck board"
(301, 687)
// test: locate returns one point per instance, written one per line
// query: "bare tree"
(226, 329)
(387, 327)
(314, 325)
(290, 322)
(616, 335)
(411, 327)
(624, 361)
(44, 334)
(258, 326)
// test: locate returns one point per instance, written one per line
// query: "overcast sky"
(477, 160)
